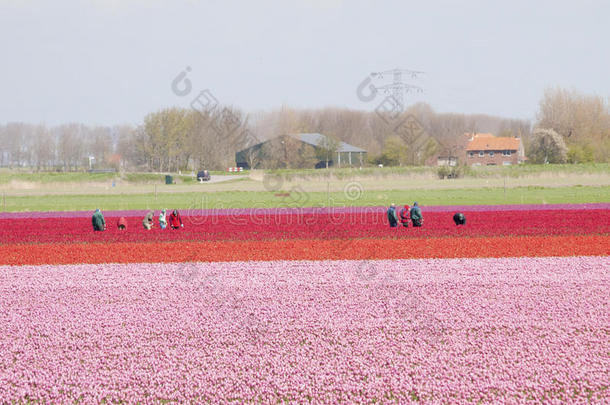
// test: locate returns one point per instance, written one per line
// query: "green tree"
(580, 154)
(395, 152)
(306, 157)
(430, 149)
(165, 138)
(327, 148)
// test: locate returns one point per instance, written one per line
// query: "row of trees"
(570, 127)
(407, 139)
(168, 140)
(577, 125)
(67, 147)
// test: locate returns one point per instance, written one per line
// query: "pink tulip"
(443, 330)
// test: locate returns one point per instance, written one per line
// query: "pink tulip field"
(462, 330)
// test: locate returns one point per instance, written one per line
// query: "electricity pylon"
(398, 88)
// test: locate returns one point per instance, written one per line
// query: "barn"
(300, 150)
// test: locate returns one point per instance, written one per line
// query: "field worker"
(404, 216)
(162, 220)
(149, 220)
(121, 224)
(175, 221)
(99, 224)
(459, 218)
(392, 216)
(416, 216)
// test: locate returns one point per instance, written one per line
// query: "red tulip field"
(308, 306)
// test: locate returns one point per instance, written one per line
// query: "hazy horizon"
(112, 62)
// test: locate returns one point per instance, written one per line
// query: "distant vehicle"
(203, 175)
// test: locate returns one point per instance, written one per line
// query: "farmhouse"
(489, 150)
(302, 150)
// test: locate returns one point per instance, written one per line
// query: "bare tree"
(582, 120)
(70, 146)
(99, 143)
(43, 148)
(126, 147)
(15, 141)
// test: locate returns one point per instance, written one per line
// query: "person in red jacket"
(175, 221)
(404, 216)
(121, 224)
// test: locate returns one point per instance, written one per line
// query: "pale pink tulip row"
(445, 330)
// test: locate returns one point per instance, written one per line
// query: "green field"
(524, 184)
(263, 199)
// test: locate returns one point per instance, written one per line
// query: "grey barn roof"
(313, 139)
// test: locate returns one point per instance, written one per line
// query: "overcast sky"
(113, 61)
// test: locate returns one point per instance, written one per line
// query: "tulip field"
(308, 305)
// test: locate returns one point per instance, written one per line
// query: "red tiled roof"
(487, 142)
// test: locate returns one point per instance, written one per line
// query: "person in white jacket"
(162, 220)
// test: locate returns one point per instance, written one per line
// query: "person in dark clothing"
(459, 218)
(404, 216)
(392, 216)
(175, 221)
(97, 220)
(416, 216)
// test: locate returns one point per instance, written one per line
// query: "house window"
(491, 153)
(506, 163)
(481, 153)
(506, 153)
(471, 154)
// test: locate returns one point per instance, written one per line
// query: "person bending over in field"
(459, 218)
(175, 221)
(97, 220)
(148, 221)
(121, 224)
(392, 216)
(404, 216)
(162, 220)
(416, 216)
